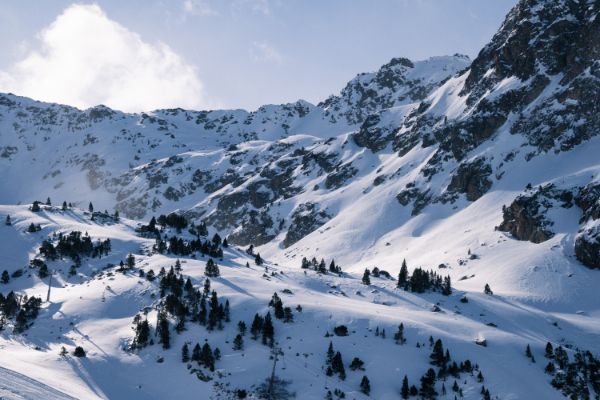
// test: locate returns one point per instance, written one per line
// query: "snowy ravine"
(486, 171)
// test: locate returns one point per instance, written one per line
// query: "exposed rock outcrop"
(472, 179)
(306, 218)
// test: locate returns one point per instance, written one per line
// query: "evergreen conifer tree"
(257, 326)
(268, 330)
(162, 329)
(405, 391)
(337, 365)
(211, 270)
(185, 353)
(238, 342)
(549, 353)
(403, 275)
(437, 354)
(487, 289)
(366, 280)
(365, 385)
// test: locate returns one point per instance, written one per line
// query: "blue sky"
(144, 54)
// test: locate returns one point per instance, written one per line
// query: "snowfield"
(95, 310)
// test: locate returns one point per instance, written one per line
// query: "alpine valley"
(432, 231)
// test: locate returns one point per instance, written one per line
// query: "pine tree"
(447, 286)
(142, 334)
(399, 336)
(437, 354)
(365, 385)
(35, 207)
(257, 326)
(5, 277)
(162, 329)
(196, 353)
(64, 206)
(487, 289)
(549, 353)
(91, 207)
(330, 353)
(405, 391)
(427, 390)
(226, 312)
(207, 357)
(48, 202)
(288, 315)
(212, 269)
(305, 263)
(7, 221)
(268, 330)
(238, 342)
(185, 353)
(258, 259)
(225, 244)
(529, 354)
(203, 314)
(337, 365)
(403, 275)
(130, 261)
(479, 377)
(366, 280)
(357, 363)
(322, 268)
(455, 387)
(242, 328)
(277, 304)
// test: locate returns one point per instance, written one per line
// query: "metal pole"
(49, 287)
(271, 381)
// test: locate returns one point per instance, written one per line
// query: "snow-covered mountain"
(485, 171)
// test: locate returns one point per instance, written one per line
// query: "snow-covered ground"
(95, 310)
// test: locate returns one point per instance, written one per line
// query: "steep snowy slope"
(95, 309)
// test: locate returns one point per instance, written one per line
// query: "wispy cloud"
(263, 52)
(254, 6)
(199, 7)
(84, 59)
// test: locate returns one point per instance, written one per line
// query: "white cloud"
(263, 52)
(254, 6)
(85, 59)
(199, 7)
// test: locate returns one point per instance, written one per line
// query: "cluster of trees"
(24, 309)
(33, 228)
(183, 302)
(334, 365)
(263, 327)
(258, 260)
(321, 266)
(574, 378)
(75, 246)
(279, 311)
(178, 246)
(212, 269)
(421, 281)
(204, 355)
